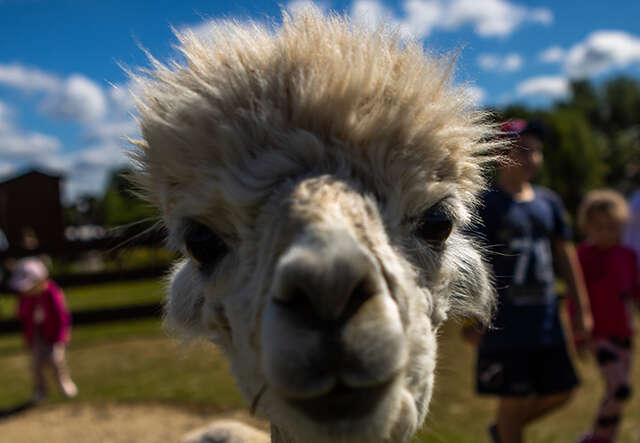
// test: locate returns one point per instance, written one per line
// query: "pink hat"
(27, 273)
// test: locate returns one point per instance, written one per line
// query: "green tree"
(120, 205)
(586, 99)
(574, 156)
(623, 159)
(621, 99)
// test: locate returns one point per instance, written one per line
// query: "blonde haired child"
(610, 272)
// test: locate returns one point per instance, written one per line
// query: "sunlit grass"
(107, 295)
(459, 415)
(128, 362)
(135, 362)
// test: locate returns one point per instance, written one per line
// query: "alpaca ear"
(472, 292)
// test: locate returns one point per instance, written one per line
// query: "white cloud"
(79, 99)
(119, 122)
(101, 157)
(5, 116)
(513, 62)
(103, 117)
(372, 13)
(489, 18)
(488, 62)
(27, 79)
(203, 31)
(493, 62)
(505, 98)
(421, 17)
(85, 171)
(122, 98)
(602, 51)
(540, 15)
(113, 131)
(548, 86)
(76, 98)
(553, 54)
(90, 168)
(26, 145)
(80, 183)
(298, 5)
(6, 169)
(492, 17)
(476, 94)
(16, 144)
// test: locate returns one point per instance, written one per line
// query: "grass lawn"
(108, 295)
(128, 362)
(135, 362)
(459, 416)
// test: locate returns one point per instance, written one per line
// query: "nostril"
(296, 302)
(362, 292)
(290, 295)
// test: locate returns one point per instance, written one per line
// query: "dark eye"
(203, 245)
(434, 226)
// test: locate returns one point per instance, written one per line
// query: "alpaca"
(319, 178)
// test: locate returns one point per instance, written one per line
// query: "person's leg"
(38, 364)
(614, 366)
(541, 405)
(515, 413)
(511, 418)
(505, 373)
(550, 378)
(67, 386)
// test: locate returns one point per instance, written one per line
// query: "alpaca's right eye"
(434, 226)
(203, 245)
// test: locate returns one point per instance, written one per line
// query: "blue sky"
(64, 102)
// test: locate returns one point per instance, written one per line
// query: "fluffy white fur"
(299, 146)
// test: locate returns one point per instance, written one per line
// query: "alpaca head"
(318, 178)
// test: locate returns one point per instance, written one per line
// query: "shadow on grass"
(15, 410)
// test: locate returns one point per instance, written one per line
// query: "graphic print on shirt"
(533, 270)
(532, 254)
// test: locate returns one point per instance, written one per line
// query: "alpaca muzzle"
(331, 333)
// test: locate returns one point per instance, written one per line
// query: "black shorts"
(523, 372)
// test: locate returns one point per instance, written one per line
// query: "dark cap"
(516, 127)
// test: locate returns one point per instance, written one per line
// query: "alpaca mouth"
(342, 403)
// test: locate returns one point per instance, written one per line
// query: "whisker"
(256, 399)
(157, 226)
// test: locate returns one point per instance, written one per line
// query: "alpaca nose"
(325, 277)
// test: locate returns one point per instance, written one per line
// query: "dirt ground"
(106, 424)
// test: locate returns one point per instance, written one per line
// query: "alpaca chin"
(393, 418)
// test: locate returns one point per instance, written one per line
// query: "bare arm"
(571, 272)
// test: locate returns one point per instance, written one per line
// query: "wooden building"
(31, 213)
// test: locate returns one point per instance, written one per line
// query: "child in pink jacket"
(46, 324)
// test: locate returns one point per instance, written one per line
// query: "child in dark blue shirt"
(523, 359)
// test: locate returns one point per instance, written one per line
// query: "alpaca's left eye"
(203, 245)
(434, 226)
